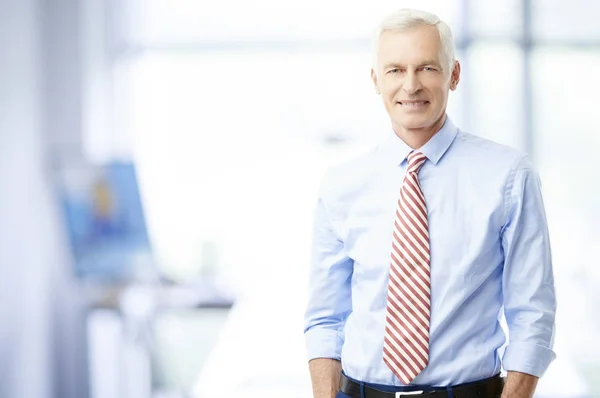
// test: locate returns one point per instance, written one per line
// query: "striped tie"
(406, 339)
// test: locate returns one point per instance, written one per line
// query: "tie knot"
(415, 161)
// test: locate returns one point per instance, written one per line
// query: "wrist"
(519, 385)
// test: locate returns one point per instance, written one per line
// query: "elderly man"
(421, 243)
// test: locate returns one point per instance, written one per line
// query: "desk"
(265, 328)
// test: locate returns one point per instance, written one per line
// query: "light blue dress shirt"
(490, 252)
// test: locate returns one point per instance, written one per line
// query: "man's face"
(412, 77)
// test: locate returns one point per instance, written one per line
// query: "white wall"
(26, 222)
(37, 316)
(61, 48)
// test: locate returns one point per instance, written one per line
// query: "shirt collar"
(397, 150)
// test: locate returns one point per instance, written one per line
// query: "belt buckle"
(401, 394)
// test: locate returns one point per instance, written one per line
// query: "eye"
(396, 70)
(429, 69)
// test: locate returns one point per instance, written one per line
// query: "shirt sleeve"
(528, 281)
(329, 296)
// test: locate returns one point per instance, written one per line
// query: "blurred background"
(159, 161)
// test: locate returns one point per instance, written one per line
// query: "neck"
(416, 138)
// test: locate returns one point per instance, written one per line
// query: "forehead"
(411, 46)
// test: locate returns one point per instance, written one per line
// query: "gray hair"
(406, 18)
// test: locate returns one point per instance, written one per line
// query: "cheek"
(390, 86)
(437, 92)
(442, 94)
(389, 93)
(390, 100)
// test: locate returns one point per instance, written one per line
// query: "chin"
(412, 122)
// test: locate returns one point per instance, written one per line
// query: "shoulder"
(488, 155)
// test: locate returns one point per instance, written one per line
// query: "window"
(567, 140)
(565, 84)
(168, 23)
(495, 19)
(566, 21)
(230, 114)
(494, 81)
(230, 148)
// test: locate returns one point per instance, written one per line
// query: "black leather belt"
(486, 388)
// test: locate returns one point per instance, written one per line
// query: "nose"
(411, 84)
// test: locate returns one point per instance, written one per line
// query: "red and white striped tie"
(406, 339)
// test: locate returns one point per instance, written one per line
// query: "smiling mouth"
(412, 103)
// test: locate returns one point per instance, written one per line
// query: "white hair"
(406, 18)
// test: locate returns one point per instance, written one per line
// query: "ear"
(374, 78)
(455, 76)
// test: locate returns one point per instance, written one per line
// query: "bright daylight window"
(230, 149)
(230, 113)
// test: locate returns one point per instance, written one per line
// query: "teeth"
(413, 103)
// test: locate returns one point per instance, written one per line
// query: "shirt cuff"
(323, 343)
(527, 358)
